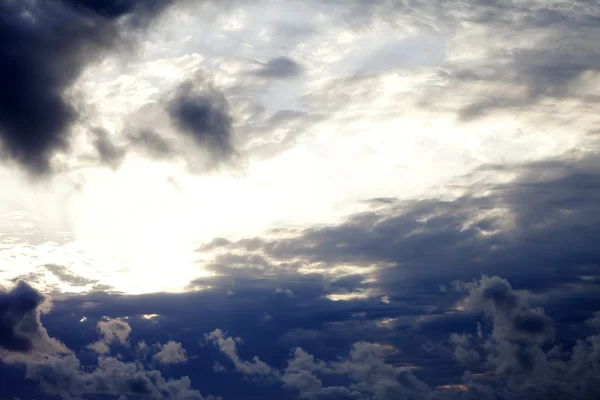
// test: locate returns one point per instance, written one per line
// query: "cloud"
(65, 276)
(21, 332)
(545, 216)
(280, 68)
(44, 48)
(228, 346)
(202, 113)
(594, 322)
(152, 143)
(516, 348)
(100, 347)
(365, 366)
(518, 331)
(462, 353)
(65, 376)
(114, 330)
(109, 153)
(171, 353)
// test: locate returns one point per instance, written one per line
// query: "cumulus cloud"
(115, 330)
(462, 353)
(100, 347)
(518, 331)
(65, 376)
(594, 321)
(228, 346)
(365, 366)
(171, 353)
(21, 333)
(516, 349)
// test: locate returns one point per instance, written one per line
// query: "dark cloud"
(113, 9)
(280, 68)
(202, 113)
(44, 47)
(518, 330)
(539, 230)
(21, 332)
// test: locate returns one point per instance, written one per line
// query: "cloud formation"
(280, 68)
(171, 353)
(202, 112)
(44, 48)
(228, 346)
(21, 332)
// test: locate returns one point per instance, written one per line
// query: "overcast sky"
(286, 199)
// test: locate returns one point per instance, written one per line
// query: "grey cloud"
(45, 46)
(202, 113)
(466, 357)
(65, 376)
(109, 153)
(280, 68)
(228, 346)
(462, 353)
(100, 347)
(499, 233)
(365, 366)
(594, 322)
(66, 276)
(171, 353)
(515, 349)
(518, 330)
(114, 330)
(21, 332)
(152, 143)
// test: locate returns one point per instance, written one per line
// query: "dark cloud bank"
(430, 326)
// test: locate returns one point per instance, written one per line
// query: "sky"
(285, 199)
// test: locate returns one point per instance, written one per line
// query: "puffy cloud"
(22, 335)
(228, 346)
(594, 321)
(518, 330)
(65, 376)
(114, 330)
(365, 366)
(202, 112)
(464, 355)
(516, 350)
(171, 353)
